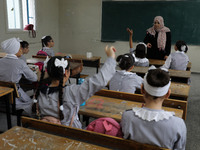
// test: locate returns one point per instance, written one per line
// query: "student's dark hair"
(179, 44)
(157, 78)
(140, 51)
(55, 73)
(24, 44)
(125, 61)
(45, 40)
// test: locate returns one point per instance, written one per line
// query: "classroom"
(76, 28)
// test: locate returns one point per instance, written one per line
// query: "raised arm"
(130, 31)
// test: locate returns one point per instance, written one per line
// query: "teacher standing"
(158, 40)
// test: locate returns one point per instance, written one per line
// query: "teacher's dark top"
(154, 52)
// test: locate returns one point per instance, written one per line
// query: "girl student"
(124, 80)
(47, 44)
(150, 124)
(11, 70)
(25, 49)
(140, 51)
(178, 60)
(59, 103)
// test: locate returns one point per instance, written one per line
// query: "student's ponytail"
(60, 96)
(35, 106)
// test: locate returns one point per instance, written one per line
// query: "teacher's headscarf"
(161, 41)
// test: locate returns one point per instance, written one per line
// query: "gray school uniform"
(142, 62)
(11, 70)
(74, 95)
(177, 61)
(125, 81)
(23, 58)
(49, 51)
(168, 133)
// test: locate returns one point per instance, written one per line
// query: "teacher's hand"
(149, 45)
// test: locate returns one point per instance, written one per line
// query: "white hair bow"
(183, 48)
(61, 63)
(45, 63)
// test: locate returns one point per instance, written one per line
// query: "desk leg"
(7, 99)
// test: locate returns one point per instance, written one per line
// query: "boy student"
(11, 70)
(150, 124)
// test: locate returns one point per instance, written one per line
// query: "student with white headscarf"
(158, 40)
(11, 70)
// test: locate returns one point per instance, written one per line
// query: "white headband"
(61, 63)
(155, 91)
(43, 37)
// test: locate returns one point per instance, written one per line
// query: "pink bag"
(40, 65)
(106, 126)
(42, 53)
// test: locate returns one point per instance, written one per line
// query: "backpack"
(42, 53)
(106, 126)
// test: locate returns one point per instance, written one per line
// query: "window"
(20, 13)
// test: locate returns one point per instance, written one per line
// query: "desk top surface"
(158, 62)
(73, 65)
(2, 54)
(83, 57)
(180, 89)
(173, 73)
(5, 90)
(99, 106)
(23, 138)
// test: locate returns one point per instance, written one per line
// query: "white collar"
(142, 60)
(125, 72)
(12, 56)
(179, 51)
(152, 114)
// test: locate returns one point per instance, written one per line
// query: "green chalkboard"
(182, 17)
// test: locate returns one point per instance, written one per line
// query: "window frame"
(21, 30)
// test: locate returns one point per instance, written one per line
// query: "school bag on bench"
(106, 126)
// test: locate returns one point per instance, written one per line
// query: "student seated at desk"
(178, 60)
(59, 103)
(140, 51)
(47, 44)
(11, 70)
(124, 80)
(150, 124)
(25, 49)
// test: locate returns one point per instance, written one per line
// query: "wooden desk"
(23, 138)
(87, 136)
(7, 94)
(179, 91)
(89, 62)
(100, 106)
(74, 66)
(158, 63)
(176, 75)
(2, 54)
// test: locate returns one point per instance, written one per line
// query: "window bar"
(27, 4)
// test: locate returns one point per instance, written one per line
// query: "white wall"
(47, 15)
(80, 31)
